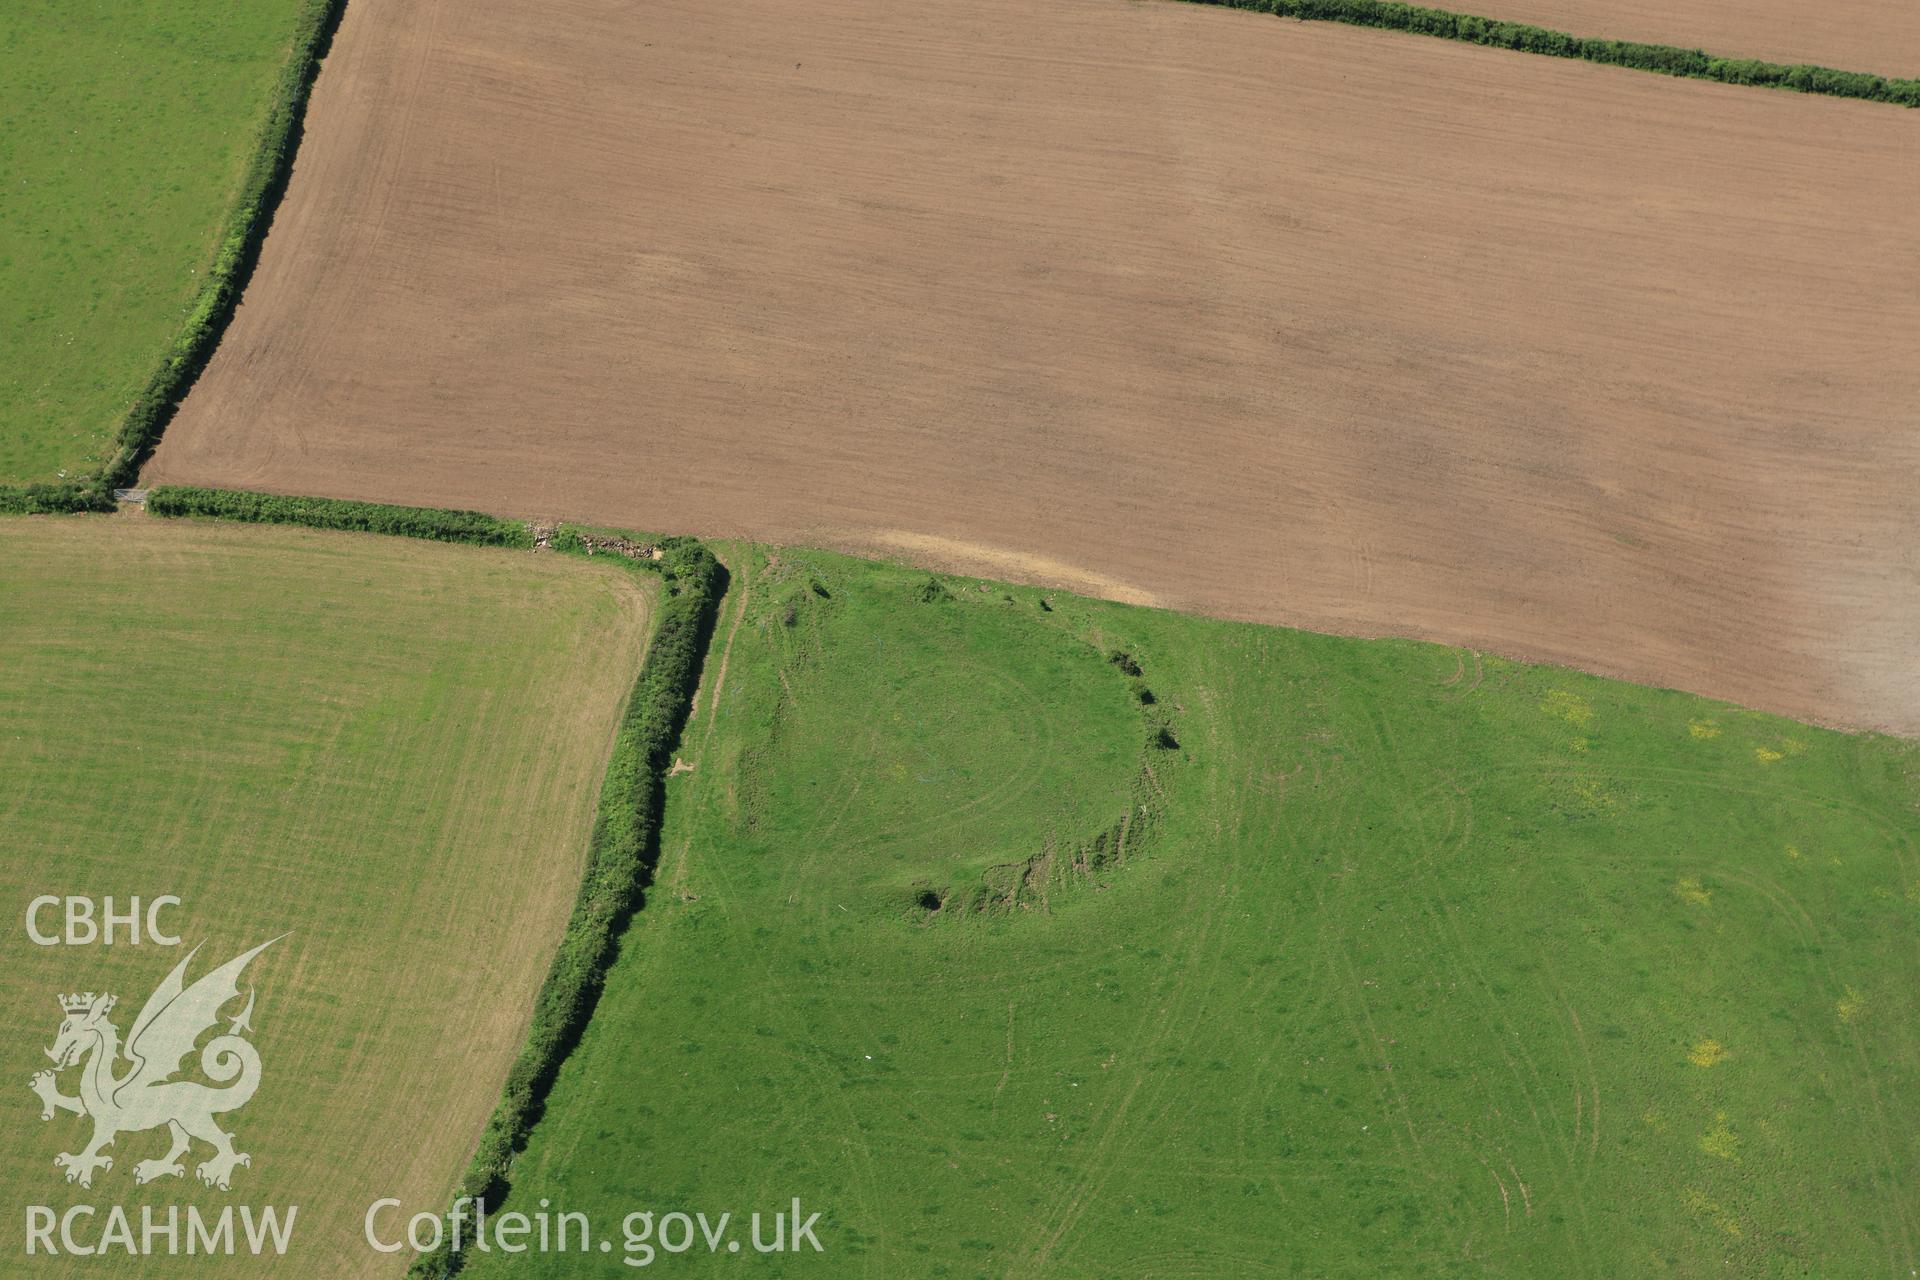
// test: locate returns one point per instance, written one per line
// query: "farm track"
(1291, 322)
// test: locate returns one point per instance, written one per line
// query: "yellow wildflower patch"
(1570, 707)
(1766, 755)
(1851, 1005)
(1701, 1207)
(1690, 890)
(1707, 1053)
(1703, 729)
(1721, 1141)
(1594, 792)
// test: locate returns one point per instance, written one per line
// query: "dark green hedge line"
(53, 499)
(620, 859)
(245, 228)
(335, 513)
(626, 833)
(1665, 59)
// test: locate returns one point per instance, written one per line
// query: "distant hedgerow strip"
(626, 832)
(335, 513)
(1665, 59)
(244, 229)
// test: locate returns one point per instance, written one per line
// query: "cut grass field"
(1421, 963)
(391, 748)
(125, 126)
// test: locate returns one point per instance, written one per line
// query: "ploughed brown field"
(1345, 329)
(1882, 36)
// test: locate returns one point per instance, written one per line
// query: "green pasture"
(1413, 962)
(125, 126)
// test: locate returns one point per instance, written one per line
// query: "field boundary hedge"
(626, 831)
(434, 523)
(1663, 59)
(244, 231)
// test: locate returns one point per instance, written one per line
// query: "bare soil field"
(1854, 35)
(1293, 322)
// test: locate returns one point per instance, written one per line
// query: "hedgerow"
(53, 499)
(626, 832)
(619, 862)
(245, 226)
(334, 513)
(1661, 58)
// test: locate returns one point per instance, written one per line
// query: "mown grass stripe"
(1664, 59)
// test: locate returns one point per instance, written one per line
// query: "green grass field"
(1396, 960)
(125, 126)
(392, 749)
